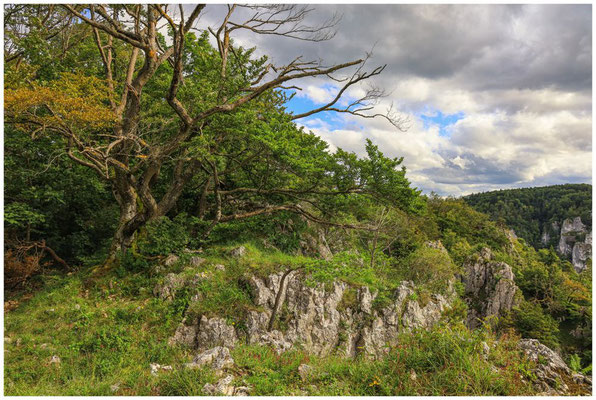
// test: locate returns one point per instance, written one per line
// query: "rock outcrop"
(552, 374)
(574, 241)
(490, 289)
(338, 319)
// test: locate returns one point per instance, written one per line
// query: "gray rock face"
(215, 332)
(581, 253)
(217, 358)
(545, 239)
(315, 246)
(339, 319)
(238, 252)
(195, 261)
(569, 245)
(575, 225)
(489, 288)
(204, 333)
(222, 387)
(550, 368)
(171, 260)
(167, 290)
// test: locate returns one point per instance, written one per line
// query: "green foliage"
(429, 267)
(531, 211)
(47, 197)
(575, 363)
(461, 226)
(445, 362)
(532, 322)
(164, 236)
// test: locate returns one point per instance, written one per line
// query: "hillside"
(172, 228)
(531, 211)
(132, 331)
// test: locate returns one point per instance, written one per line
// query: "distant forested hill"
(528, 210)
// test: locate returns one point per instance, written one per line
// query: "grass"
(108, 331)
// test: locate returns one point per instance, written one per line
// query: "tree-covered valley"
(171, 229)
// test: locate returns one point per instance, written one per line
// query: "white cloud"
(521, 76)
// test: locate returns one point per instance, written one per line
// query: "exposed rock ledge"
(340, 320)
(490, 288)
(553, 377)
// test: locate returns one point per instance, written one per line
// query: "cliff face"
(490, 290)
(338, 319)
(573, 240)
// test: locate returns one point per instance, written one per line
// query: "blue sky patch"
(299, 105)
(441, 120)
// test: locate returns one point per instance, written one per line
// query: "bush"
(532, 322)
(429, 267)
(164, 236)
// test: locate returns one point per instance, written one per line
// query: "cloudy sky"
(497, 96)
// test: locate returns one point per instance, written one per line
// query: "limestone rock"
(185, 335)
(167, 289)
(156, 368)
(570, 230)
(314, 321)
(436, 244)
(222, 387)
(220, 267)
(276, 340)
(214, 332)
(171, 260)
(550, 367)
(196, 261)
(581, 253)
(316, 318)
(238, 252)
(304, 370)
(242, 391)
(315, 245)
(218, 358)
(489, 288)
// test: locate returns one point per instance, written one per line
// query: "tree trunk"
(123, 237)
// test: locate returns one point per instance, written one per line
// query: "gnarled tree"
(169, 111)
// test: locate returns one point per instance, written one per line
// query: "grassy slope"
(108, 332)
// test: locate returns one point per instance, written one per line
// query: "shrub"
(430, 267)
(164, 236)
(532, 322)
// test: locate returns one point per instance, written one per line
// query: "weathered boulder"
(215, 332)
(156, 368)
(551, 371)
(196, 261)
(171, 260)
(238, 252)
(490, 289)
(222, 387)
(217, 358)
(304, 371)
(167, 289)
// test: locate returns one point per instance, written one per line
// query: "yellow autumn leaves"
(75, 102)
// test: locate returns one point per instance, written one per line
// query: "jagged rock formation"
(489, 288)
(341, 319)
(575, 241)
(552, 374)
